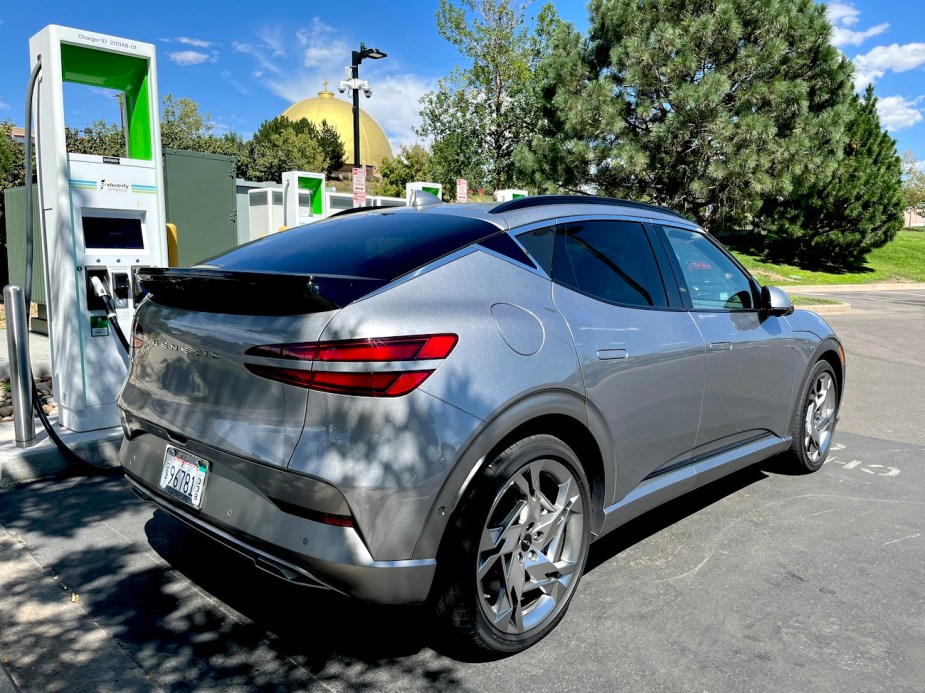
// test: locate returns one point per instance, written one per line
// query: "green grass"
(812, 301)
(901, 260)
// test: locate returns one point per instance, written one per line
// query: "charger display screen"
(110, 233)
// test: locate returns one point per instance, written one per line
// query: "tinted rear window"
(380, 246)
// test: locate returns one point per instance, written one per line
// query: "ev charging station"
(435, 189)
(508, 195)
(103, 217)
(304, 200)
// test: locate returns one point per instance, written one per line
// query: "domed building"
(374, 145)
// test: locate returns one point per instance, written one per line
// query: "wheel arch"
(560, 413)
(829, 350)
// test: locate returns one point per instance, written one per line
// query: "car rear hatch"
(204, 364)
(188, 373)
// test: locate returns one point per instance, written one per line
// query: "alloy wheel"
(530, 548)
(819, 419)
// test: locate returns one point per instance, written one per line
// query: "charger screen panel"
(110, 233)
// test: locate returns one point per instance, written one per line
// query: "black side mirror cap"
(775, 301)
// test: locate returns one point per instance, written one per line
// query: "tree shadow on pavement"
(192, 615)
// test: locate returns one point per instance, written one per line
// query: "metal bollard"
(17, 339)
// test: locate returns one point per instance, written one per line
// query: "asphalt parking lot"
(764, 581)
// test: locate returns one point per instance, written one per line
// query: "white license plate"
(184, 475)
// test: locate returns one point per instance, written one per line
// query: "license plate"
(184, 475)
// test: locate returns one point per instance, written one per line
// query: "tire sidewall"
(798, 430)
(459, 598)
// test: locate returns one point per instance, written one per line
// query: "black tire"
(530, 548)
(814, 418)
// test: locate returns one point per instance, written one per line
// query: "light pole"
(353, 82)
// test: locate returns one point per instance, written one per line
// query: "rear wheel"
(814, 420)
(517, 549)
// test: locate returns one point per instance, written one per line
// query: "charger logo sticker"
(112, 186)
(99, 326)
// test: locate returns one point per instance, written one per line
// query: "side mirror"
(775, 301)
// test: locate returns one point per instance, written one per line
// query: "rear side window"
(609, 260)
(376, 245)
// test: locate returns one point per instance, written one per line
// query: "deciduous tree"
(410, 164)
(478, 114)
(285, 150)
(325, 135)
(913, 183)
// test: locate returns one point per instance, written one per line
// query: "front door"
(750, 355)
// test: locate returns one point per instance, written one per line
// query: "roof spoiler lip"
(541, 200)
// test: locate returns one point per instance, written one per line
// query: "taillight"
(366, 382)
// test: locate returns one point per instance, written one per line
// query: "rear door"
(750, 355)
(641, 356)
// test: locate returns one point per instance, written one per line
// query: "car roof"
(540, 208)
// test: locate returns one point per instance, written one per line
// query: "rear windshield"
(375, 245)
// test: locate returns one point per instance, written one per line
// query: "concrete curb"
(821, 308)
(43, 460)
(6, 681)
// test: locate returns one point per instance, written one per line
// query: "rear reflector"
(391, 383)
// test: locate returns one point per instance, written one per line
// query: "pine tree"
(859, 208)
(707, 107)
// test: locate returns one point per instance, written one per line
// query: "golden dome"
(374, 145)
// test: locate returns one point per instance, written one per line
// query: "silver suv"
(448, 404)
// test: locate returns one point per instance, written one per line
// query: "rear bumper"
(238, 512)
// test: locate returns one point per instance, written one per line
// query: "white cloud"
(4, 106)
(872, 65)
(898, 113)
(226, 75)
(258, 53)
(273, 39)
(846, 37)
(320, 52)
(395, 105)
(198, 43)
(321, 46)
(188, 57)
(105, 93)
(843, 16)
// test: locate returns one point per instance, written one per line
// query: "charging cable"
(69, 455)
(102, 293)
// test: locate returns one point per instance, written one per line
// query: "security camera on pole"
(353, 82)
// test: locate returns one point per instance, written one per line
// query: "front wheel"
(814, 419)
(517, 548)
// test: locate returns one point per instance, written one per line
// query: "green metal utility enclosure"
(199, 190)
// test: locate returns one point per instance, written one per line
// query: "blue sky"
(246, 63)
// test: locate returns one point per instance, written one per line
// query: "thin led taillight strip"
(364, 384)
(416, 348)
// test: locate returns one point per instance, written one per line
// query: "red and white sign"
(359, 187)
(462, 190)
